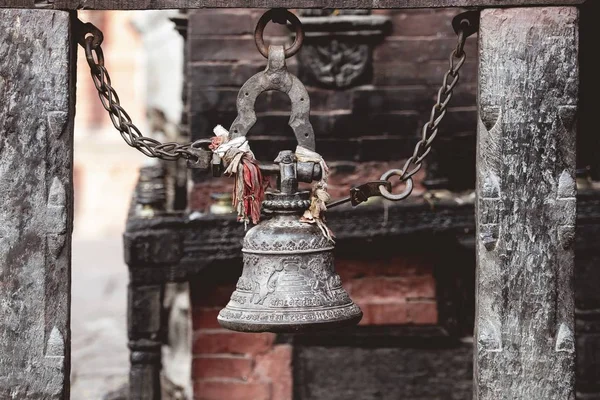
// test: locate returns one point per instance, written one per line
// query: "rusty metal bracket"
(362, 193)
(467, 22)
(202, 153)
(85, 30)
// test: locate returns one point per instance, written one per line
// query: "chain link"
(466, 25)
(90, 38)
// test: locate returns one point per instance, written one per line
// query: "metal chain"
(465, 25)
(90, 38)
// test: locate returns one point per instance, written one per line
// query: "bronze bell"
(288, 282)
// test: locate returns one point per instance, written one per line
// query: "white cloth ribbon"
(240, 143)
(232, 151)
(319, 195)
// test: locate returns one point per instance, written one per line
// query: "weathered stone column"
(524, 340)
(37, 106)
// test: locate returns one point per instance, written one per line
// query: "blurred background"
(144, 55)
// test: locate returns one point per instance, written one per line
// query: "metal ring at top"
(260, 28)
(89, 54)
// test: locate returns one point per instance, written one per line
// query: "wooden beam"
(524, 339)
(37, 106)
(145, 326)
(174, 4)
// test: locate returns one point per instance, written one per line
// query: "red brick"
(396, 73)
(384, 313)
(238, 48)
(422, 23)
(276, 366)
(380, 100)
(399, 73)
(205, 318)
(384, 147)
(211, 296)
(221, 22)
(422, 312)
(221, 366)
(395, 289)
(461, 116)
(227, 342)
(327, 100)
(223, 389)
(215, 74)
(419, 49)
(422, 287)
(376, 124)
(433, 72)
(199, 197)
(405, 266)
(209, 99)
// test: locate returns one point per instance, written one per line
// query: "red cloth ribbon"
(253, 191)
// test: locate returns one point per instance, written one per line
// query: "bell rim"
(290, 327)
(353, 318)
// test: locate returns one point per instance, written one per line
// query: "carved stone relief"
(338, 46)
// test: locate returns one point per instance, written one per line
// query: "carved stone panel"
(36, 126)
(338, 46)
(524, 339)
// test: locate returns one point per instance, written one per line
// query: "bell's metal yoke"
(275, 77)
(288, 282)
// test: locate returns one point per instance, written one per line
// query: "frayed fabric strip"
(249, 185)
(319, 195)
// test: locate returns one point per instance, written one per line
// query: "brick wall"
(395, 291)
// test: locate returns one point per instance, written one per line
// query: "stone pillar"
(524, 341)
(37, 106)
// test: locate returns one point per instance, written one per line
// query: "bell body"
(288, 283)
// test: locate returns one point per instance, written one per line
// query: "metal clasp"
(362, 193)
(203, 155)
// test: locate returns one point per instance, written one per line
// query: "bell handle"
(275, 77)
